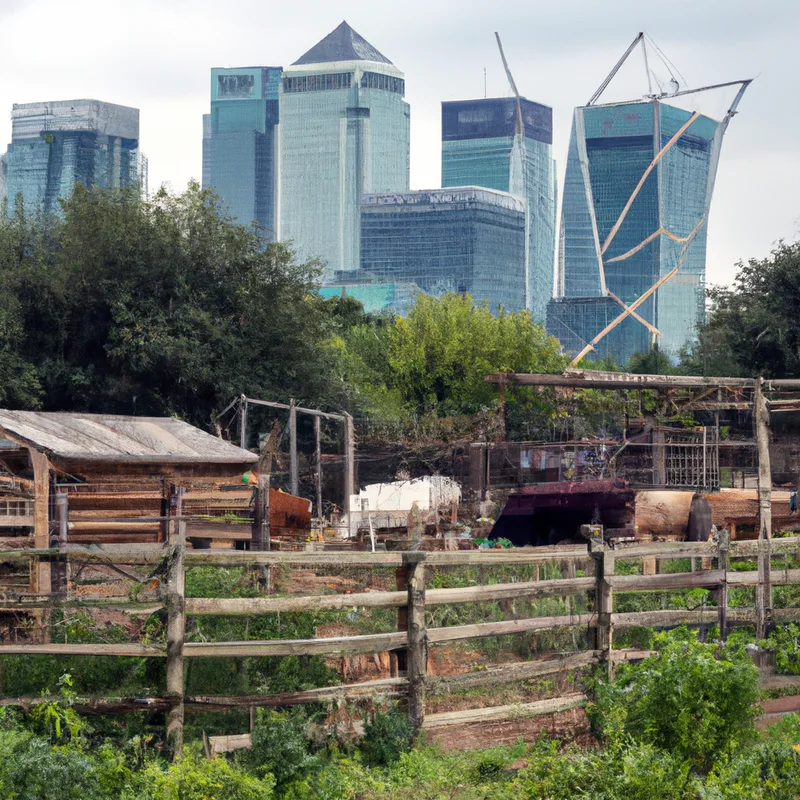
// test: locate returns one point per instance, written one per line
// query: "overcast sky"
(156, 55)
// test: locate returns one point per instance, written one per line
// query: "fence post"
(176, 628)
(723, 546)
(349, 466)
(604, 600)
(294, 481)
(764, 589)
(417, 659)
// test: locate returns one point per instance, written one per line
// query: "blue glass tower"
(637, 195)
(464, 239)
(484, 145)
(240, 143)
(55, 146)
(344, 133)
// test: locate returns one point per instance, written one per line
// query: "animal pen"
(575, 594)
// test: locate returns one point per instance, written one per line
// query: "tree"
(653, 362)
(435, 360)
(161, 307)
(753, 327)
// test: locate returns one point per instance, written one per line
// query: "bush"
(30, 769)
(386, 737)
(197, 778)
(687, 700)
(281, 745)
(784, 642)
(766, 772)
(625, 771)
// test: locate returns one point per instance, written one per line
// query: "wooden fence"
(711, 570)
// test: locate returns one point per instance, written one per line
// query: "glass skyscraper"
(481, 146)
(637, 193)
(344, 133)
(240, 143)
(56, 145)
(464, 239)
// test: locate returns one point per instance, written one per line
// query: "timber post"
(417, 658)
(318, 462)
(40, 571)
(764, 588)
(176, 628)
(349, 465)
(62, 514)
(723, 546)
(397, 658)
(604, 602)
(294, 480)
(243, 422)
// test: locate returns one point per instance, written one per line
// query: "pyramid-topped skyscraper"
(341, 44)
(344, 132)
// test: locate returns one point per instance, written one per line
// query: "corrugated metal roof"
(99, 437)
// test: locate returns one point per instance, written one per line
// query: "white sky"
(156, 55)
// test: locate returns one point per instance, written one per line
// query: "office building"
(240, 144)
(499, 144)
(55, 146)
(344, 133)
(465, 239)
(637, 195)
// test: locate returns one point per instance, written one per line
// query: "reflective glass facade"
(344, 132)
(637, 192)
(463, 239)
(57, 145)
(240, 143)
(377, 298)
(480, 148)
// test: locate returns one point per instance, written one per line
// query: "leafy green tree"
(435, 360)
(161, 307)
(653, 362)
(754, 325)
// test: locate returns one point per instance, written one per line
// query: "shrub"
(197, 778)
(386, 737)
(685, 700)
(784, 642)
(281, 745)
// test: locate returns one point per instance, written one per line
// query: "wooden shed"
(95, 479)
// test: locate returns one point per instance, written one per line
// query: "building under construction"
(637, 193)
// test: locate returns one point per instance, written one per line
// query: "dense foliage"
(167, 307)
(678, 726)
(754, 326)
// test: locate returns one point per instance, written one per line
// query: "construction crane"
(519, 128)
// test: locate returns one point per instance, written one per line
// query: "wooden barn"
(87, 479)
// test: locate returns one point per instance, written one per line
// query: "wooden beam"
(478, 630)
(176, 630)
(132, 650)
(516, 711)
(341, 645)
(679, 580)
(417, 651)
(597, 379)
(433, 597)
(507, 673)
(764, 589)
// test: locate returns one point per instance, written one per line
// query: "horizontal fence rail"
(172, 560)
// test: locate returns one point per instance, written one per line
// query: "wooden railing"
(712, 561)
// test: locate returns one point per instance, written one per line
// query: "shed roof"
(100, 437)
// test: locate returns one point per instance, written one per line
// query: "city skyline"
(444, 60)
